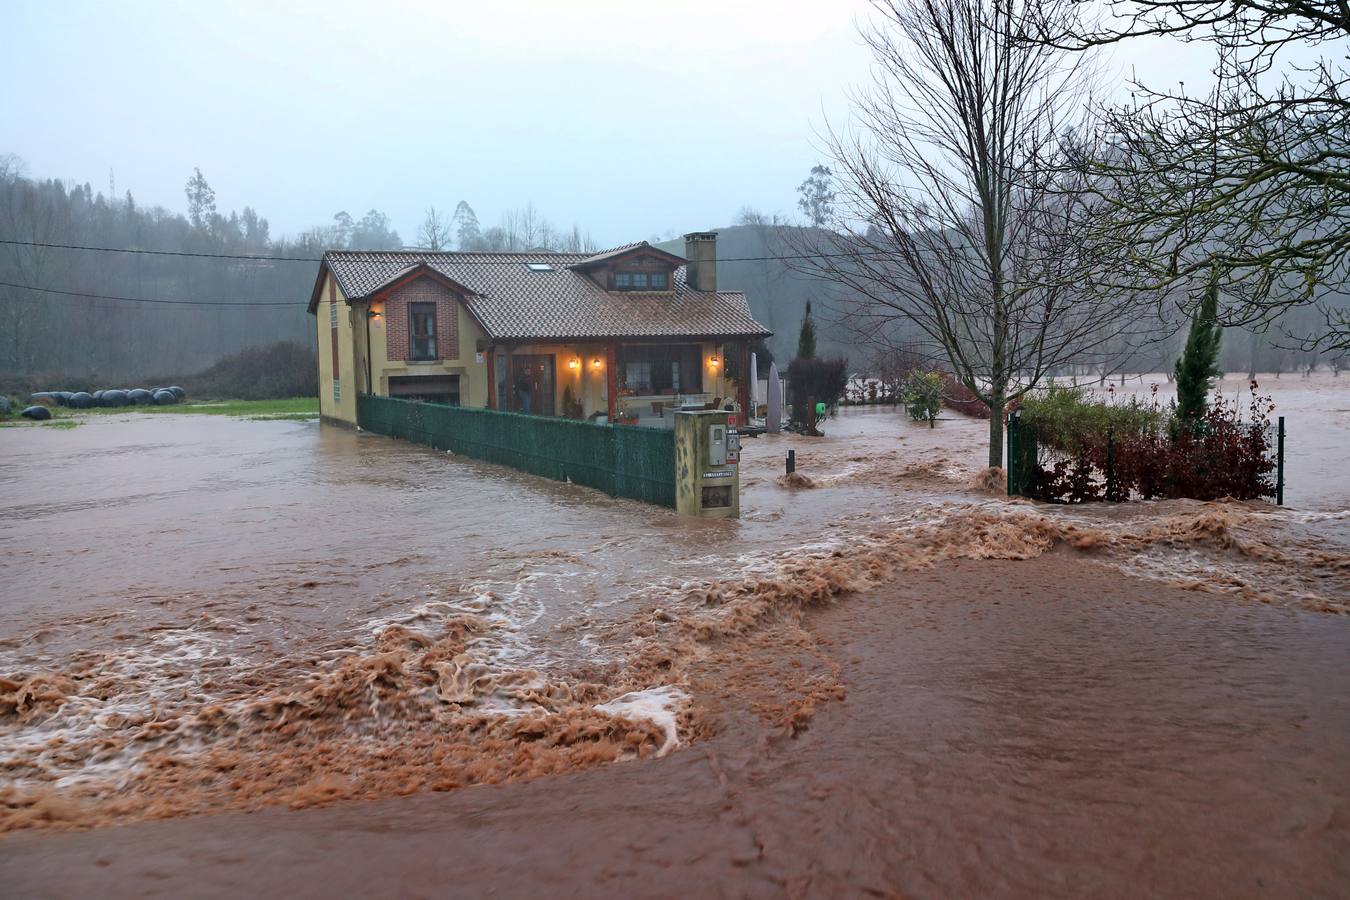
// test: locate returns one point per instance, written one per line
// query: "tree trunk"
(996, 432)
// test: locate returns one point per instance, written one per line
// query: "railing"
(623, 461)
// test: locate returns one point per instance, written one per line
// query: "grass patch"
(50, 423)
(288, 409)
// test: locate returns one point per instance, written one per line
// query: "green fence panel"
(621, 460)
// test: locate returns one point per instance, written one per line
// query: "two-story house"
(627, 334)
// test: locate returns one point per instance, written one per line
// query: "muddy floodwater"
(213, 616)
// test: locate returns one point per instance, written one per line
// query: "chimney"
(700, 249)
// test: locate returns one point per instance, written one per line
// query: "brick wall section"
(423, 290)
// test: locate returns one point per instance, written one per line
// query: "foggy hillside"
(185, 288)
(777, 293)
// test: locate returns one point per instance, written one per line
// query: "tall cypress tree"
(806, 339)
(1199, 361)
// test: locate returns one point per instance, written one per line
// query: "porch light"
(596, 363)
(714, 361)
(574, 363)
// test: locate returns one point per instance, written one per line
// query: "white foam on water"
(658, 705)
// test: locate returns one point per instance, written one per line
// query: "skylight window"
(539, 267)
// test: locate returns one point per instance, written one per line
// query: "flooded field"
(200, 615)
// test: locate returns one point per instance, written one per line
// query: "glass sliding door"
(532, 384)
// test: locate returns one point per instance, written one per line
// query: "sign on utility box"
(707, 457)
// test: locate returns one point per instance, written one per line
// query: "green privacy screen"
(621, 460)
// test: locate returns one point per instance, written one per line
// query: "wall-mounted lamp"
(596, 363)
(714, 361)
(574, 363)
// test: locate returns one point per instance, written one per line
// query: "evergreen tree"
(1199, 361)
(466, 226)
(201, 200)
(806, 338)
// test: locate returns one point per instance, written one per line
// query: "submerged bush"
(1071, 420)
(815, 381)
(1079, 449)
(923, 395)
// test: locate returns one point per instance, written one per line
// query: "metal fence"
(621, 460)
(1029, 459)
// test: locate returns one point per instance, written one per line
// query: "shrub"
(571, 406)
(1077, 449)
(1068, 419)
(815, 380)
(923, 395)
(959, 398)
(284, 369)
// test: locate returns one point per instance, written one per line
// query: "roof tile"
(514, 303)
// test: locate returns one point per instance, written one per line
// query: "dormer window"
(641, 281)
(539, 267)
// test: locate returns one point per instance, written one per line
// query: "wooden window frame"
(414, 310)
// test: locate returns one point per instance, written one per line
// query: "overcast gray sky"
(629, 118)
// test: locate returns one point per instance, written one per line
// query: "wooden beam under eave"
(612, 380)
(491, 377)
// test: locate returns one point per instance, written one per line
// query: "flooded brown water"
(1039, 728)
(202, 615)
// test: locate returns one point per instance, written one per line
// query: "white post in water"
(775, 400)
(753, 411)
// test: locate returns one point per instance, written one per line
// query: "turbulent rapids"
(443, 646)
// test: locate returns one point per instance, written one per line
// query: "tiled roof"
(514, 303)
(611, 253)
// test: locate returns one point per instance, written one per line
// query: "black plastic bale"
(165, 397)
(113, 398)
(81, 400)
(140, 396)
(178, 392)
(37, 413)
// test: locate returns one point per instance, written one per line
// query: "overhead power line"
(491, 262)
(51, 246)
(29, 287)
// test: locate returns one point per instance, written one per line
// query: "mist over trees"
(519, 230)
(166, 314)
(184, 329)
(1247, 182)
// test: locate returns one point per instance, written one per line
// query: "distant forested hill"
(180, 313)
(777, 294)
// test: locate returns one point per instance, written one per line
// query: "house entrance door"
(532, 384)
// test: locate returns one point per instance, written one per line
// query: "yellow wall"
(342, 409)
(472, 374)
(588, 383)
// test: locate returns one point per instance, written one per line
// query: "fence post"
(1014, 450)
(1279, 467)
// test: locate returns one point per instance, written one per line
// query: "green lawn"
(288, 409)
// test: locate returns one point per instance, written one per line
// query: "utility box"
(707, 475)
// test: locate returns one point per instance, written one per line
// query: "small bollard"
(791, 461)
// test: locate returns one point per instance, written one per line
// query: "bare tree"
(1249, 181)
(435, 233)
(955, 211)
